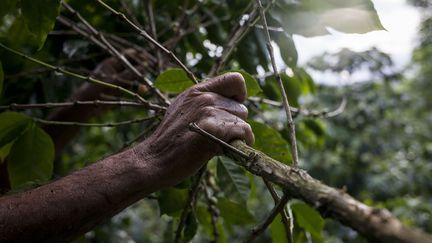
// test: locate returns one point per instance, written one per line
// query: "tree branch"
(378, 225)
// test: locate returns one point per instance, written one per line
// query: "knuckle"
(208, 111)
(207, 98)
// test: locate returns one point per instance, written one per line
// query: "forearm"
(68, 207)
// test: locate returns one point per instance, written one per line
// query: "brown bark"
(377, 225)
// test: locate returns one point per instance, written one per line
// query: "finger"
(227, 127)
(220, 102)
(230, 85)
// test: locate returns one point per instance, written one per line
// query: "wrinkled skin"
(70, 206)
(215, 105)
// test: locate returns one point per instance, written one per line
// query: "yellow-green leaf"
(173, 80)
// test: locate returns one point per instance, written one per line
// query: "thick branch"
(378, 225)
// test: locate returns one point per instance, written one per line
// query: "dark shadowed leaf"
(173, 80)
(12, 125)
(40, 17)
(190, 227)
(309, 219)
(6, 7)
(232, 180)
(31, 157)
(270, 142)
(234, 213)
(1, 78)
(172, 201)
(288, 49)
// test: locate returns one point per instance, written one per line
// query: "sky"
(401, 22)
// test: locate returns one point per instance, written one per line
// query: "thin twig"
(65, 21)
(79, 76)
(153, 32)
(238, 33)
(291, 125)
(194, 127)
(97, 34)
(85, 124)
(192, 29)
(301, 111)
(193, 193)
(129, 12)
(286, 219)
(260, 228)
(51, 105)
(211, 208)
(146, 36)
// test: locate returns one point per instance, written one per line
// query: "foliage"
(343, 151)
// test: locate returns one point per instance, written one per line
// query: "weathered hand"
(215, 105)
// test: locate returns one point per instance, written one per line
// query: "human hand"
(215, 106)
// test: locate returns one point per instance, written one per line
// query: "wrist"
(153, 164)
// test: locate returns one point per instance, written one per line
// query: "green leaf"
(312, 17)
(277, 230)
(40, 17)
(308, 219)
(191, 227)
(252, 85)
(31, 157)
(270, 142)
(173, 80)
(234, 213)
(6, 7)
(4, 151)
(12, 125)
(204, 218)
(288, 49)
(232, 180)
(172, 201)
(1, 78)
